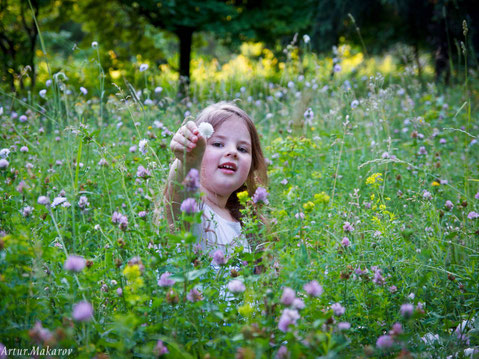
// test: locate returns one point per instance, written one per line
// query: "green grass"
(416, 244)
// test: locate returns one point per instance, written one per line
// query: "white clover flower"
(83, 90)
(4, 152)
(306, 38)
(143, 67)
(43, 93)
(94, 44)
(158, 89)
(206, 130)
(48, 83)
(1, 110)
(142, 146)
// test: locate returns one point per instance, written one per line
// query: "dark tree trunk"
(185, 35)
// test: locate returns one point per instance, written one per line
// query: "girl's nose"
(232, 151)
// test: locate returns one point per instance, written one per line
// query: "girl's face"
(227, 158)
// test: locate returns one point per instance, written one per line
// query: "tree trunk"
(185, 35)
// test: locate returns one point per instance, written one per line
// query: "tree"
(236, 20)
(18, 38)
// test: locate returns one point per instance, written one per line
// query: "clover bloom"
(160, 349)
(82, 311)
(74, 263)
(189, 205)
(261, 195)
(407, 310)
(338, 309)
(288, 317)
(3, 163)
(219, 257)
(473, 215)
(288, 296)
(385, 342)
(192, 180)
(313, 288)
(236, 286)
(165, 280)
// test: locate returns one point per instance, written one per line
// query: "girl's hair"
(218, 113)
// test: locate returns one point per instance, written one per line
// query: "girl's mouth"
(228, 167)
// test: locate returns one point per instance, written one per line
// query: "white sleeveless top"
(214, 232)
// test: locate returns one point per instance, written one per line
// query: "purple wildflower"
(219, 257)
(449, 205)
(378, 278)
(477, 195)
(298, 303)
(393, 289)
(194, 295)
(27, 211)
(3, 163)
(422, 150)
(385, 342)
(348, 227)
(427, 195)
(407, 310)
(24, 149)
(282, 353)
(142, 172)
(337, 68)
(442, 141)
(344, 326)
(260, 195)
(189, 205)
(288, 317)
(473, 215)
(160, 349)
(83, 202)
(82, 311)
(165, 280)
(83, 90)
(396, 329)
(236, 286)
(288, 296)
(313, 288)
(43, 200)
(345, 242)
(338, 309)
(142, 214)
(57, 201)
(23, 119)
(192, 180)
(119, 292)
(39, 334)
(74, 263)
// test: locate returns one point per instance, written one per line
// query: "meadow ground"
(371, 248)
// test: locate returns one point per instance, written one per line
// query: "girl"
(230, 161)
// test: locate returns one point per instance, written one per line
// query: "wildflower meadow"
(369, 249)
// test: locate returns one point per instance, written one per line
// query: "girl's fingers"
(186, 132)
(192, 127)
(183, 141)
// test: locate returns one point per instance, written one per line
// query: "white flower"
(306, 38)
(4, 152)
(43, 93)
(206, 130)
(83, 90)
(3, 163)
(1, 110)
(57, 201)
(94, 44)
(158, 89)
(143, 67)
(142, 146)
(48, 83)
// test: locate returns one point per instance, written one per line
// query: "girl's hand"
(188, 144)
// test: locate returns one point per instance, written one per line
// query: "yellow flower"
(374, 178)
(435, 183)
(132, 272)
(382, 207)
(321, 198)
(308, 206)
(243, 197)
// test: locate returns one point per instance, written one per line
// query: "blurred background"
(187, 45)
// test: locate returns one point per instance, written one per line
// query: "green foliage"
(358, 190)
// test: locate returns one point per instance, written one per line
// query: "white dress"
(214, 232)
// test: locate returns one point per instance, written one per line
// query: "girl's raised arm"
(188, 147)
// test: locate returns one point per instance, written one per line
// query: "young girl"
(230, 161)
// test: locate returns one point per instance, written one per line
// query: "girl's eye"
(217, 144)
(243, 150)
